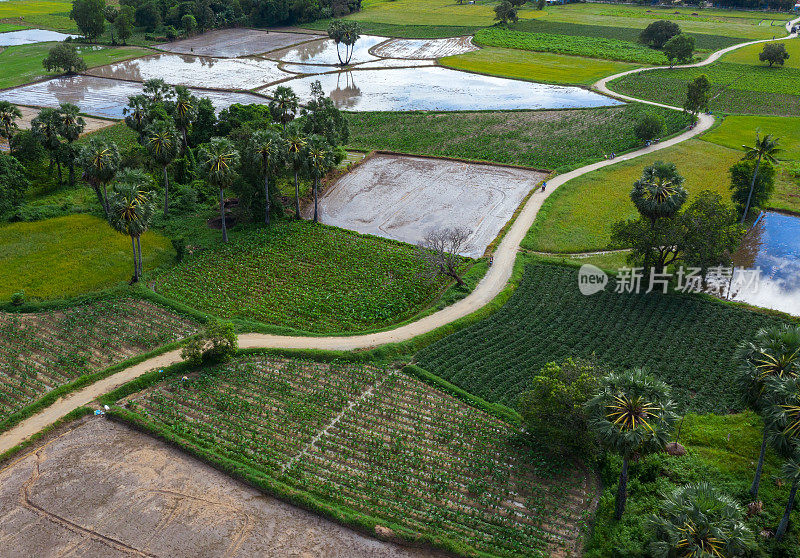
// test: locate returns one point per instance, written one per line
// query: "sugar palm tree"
(70, 127)
(783, 423)
(266, 149)
(161, 140)
(137, 114)
(100, 162)
(764, 149)
(283, 106)
(185, 112)
(774, 353)
(9, 114)
(321, 159)
(659, 192)
(295, 149)
(632, 414)
(45, 127)
(218, 159)
(132, 211)
(700, 521)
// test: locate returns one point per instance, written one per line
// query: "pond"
(324, 51)
(773, 245)
(30, 36)
(437, 88)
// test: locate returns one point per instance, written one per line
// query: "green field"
(578, 216)
(740, 84)
(687, 341)
(535, 66)
(40, 351)
(377, 447)
(540, 139)
(23, 64)
(304, 276)
(49, 14)
(735, 131)
(6, 27)
(68, 256)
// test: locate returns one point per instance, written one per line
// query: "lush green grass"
(433, 12)
(735, 131)
(592, 47)
(305, 276)
(686, 340)
(405, 31)
(394, 439)
(578, 216)
(535, 66)
(69, 256)
(722, 450)
(740, 84)
(749, 54)
(49, 14)
(6, 27)
(541, 139)
(23, 64)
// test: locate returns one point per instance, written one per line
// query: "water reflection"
(324, 51)
(347, 94)
(30, 36)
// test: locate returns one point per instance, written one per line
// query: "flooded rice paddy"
(424, 49)
(30, 36)
(324, 51)
(233, 43)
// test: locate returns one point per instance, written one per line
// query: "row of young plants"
(41, 351)
(688, 339)
(381, 444)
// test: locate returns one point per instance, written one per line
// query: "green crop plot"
(69, 256)
(305, 276)
(736, 131)
(687, 341)
(48, 14)
(381, 444)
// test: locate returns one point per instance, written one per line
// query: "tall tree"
(658, 33)
(773, 354)
(321, 159)
(632, 414)
(70, 126)
(64, 56)
(295, 147)
(679, 48)
(283, 106)
(89, 17)
(123, 23)
(741, 174)
(774, 53)
(185, 112)
(157, 91)
(45, 127)
(505, 13)
(320, 116)
(659, 193)
(783, 422)
(13, 184)
(698, 94)
(100, 162)
(766, 149)
(219, 159)
(137, 115)
(132, 211)
(161, 141)
(8, 120)
(111, 13)
(344, 32)
(266, 149)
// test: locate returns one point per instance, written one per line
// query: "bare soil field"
(404, 198)
(232, 43)
(102, 489)
(424, 49)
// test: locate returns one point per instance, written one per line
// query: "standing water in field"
(30, 36)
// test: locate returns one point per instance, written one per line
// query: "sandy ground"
(404, 198)
(29, 113)
(232, 43)
(102, 489)
(424, 49)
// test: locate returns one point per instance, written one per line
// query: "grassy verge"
(539, 139)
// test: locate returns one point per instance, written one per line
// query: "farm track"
(489, 287)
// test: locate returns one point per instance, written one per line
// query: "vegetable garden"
(41, 351)
(687, 341)
(383, 444)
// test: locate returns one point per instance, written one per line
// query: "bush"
(26, 148)
(742, 178)
(658, 33)
(13, 184)
(216, 344)
(774, 53)
(649, 127)
(18, 298)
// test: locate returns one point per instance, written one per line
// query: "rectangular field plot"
(424, 49)
(384, 444)
(195, 71)
(43, 350)
(103, 97)
(404, 198)
(232, 43)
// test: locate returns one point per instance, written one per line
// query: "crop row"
(383, 444)
(687, 341)
(43, 350)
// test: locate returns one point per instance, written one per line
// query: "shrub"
(216, 344)
(658, 33)
(13, 184)
(18, 298)
(649, 127)
(742, 178)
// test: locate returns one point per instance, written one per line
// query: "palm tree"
(791, 473)
(100, 162)
(185, 111)
(219, 159)
(783, 422)
(161, 140)
(70, 127)
(295, 150)
(132, 211)
(321, 159)
(659, 192)
(266, 149)
(45, 127)
(773, 354)
(765, 148)
(137, 114)
(700, 521)
(8, 116)
(632, 414)
(283, 106)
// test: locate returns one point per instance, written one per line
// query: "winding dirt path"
(489, 287)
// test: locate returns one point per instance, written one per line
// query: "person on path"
(544, 185)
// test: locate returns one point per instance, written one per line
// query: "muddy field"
(103, 97)
(30, 36)
(324, 51)
(102, 489)
(232, 43)
(403, 198)
(424, 49)
(29, 113)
